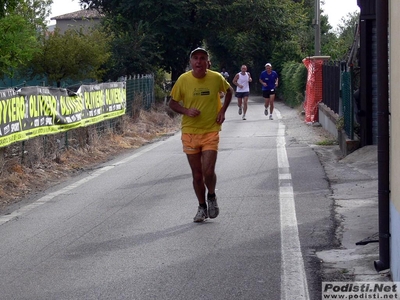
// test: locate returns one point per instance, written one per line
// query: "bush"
(159, 87)
(293, 83)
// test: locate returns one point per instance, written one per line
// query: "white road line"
(293, 278)
(50, 196)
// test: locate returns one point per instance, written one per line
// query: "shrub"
(293, 83)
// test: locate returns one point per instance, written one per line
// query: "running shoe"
(270, 117)
(244, 117)
(266, 112)
(213, 209)
(201, 215)
(240, 110)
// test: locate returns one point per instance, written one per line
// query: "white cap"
(198, 50)
(268, 65)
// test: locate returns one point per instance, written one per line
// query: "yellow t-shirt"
(202, 94)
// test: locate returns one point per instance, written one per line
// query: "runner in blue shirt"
(269, 81)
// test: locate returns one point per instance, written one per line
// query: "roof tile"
(80, 14)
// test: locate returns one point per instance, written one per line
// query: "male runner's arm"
(234, 81)
(262, 82)
(177, 107)
(227, 101)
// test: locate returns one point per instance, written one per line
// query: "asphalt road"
(125, 230)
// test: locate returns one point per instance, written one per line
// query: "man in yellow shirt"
(195, 95)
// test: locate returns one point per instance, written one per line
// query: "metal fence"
(139, 95)
(331, 85)
(338, 93)
(347, 101)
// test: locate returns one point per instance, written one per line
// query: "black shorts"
(242, 94)
(267, 93)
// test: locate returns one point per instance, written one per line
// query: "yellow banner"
(35, 111)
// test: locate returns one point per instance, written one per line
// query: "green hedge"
(293, 83)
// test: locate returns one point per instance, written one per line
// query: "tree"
(263, 31)
(167, 30)
(19, 24)
(7, 6)
(18, 44)
(34, 12)
(172, 28)
(130, 55)
(150, 34)
(337, 42)
(72, 55)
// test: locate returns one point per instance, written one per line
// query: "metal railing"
(331, 85)
(347, 100)
(139, 95)
(338, 93)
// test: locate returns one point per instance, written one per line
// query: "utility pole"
(317, 26)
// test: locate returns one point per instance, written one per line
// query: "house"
(377, 113)
(85, 18)
(393, 8)
(380, 94)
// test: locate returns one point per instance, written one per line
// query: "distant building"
(51, 28)
(85, 18)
